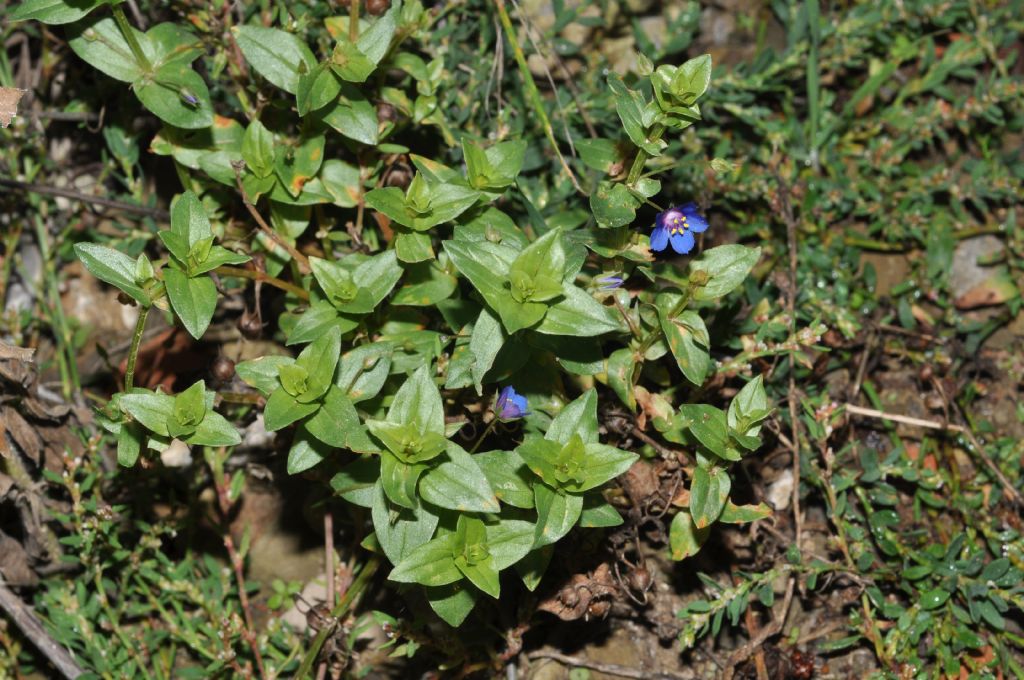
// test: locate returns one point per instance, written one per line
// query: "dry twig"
(26, 620)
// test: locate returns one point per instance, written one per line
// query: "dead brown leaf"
(9, 98)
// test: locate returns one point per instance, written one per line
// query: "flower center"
(678, 226)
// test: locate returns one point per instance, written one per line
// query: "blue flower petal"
(659, 239)
(696, 221)
(682, 243)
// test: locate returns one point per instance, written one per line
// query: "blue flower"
(677, 226)
(510, 405)
(609, 281)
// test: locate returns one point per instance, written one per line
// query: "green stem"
(133, 351)
(338, 612)
(129, 37)
(353, 21)
(532, 91)
(641, 156)
(490, 429)
(65, 338)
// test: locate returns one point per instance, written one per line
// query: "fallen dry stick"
(26, 620)
(1008, 488)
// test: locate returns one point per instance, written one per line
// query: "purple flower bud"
(609, 282)
(510, 405)
(187, 97)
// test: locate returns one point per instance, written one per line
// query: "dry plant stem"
(346, 603)
(750, 621)
(28, 623)
(155, 213)
(743, 653)
(262, 277)
(791, 397)
(299, 258)
(321, 671)
(609, 668)
(531, 90)
(1005, 483)
(237, 562)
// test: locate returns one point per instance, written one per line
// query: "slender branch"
(641, 156)
(155, 213)
(255, 275)
(774, 628)
(299, 258)
(656, 331)
(608, 668)
(490, 428)
(28, 623)
(531, 90)
(133, 350)
(353, 592)
(129, 36)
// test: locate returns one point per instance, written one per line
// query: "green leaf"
(357, 482)
(316, 89)
(613, 205)
(426, 284)
(743, 514)
(258, 149)
(151, 409)
(399, 479)
(278, 56)
(353, 116)
(319, 319)
(306, 451)
(748, 408)
(452, 602)
(934, 599)
(349, 63)
(412, 246)
(177, 95)
(194, 300)
(509, 541)
(598, 513)
(418, 402)
(507, 475)
(54, 12)
(262, 372)
(283, 409)
(709, 492)
(557, 513)
(188, 222)
(337, 424)
(214, 430)
(189, 410)
(296, 165)
(577, 417)
(708, 424)
(621, 368)
(112, 267)
(688, 339)
(320, 359)
(532, 567)
(484, 344)
(458, 484)
(604, 463)
(725, 268)
(341, 180)
(129, 444)
(684, 538)
(99, 43)
(599, 154)
(579, 314)
(496, 167)
(364, 369)
(692, 79)
(400, 530)
(429, 564)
